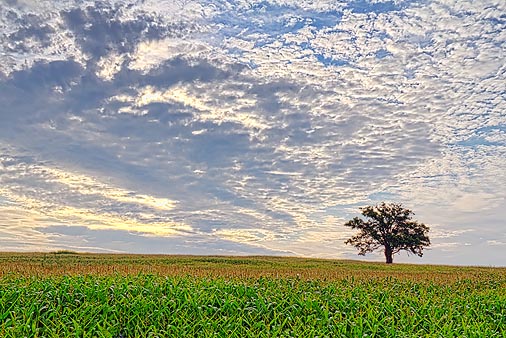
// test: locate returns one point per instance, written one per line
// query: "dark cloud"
(42, 77)
(33, 95)
(218, 147)
(179, 70)
(66, 86)
(99, 28)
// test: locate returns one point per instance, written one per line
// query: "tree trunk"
(388, 255)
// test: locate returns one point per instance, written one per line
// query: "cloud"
(259, 124)
(151, 53)
(81, 238)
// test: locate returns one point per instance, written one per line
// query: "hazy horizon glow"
(258, 127)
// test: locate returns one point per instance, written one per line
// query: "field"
(89, 295)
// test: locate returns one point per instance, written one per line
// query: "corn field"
(84, 295)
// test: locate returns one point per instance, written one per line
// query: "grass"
(85, 295)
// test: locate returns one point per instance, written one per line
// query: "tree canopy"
(388, 226)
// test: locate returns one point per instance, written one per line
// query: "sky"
(251, 127)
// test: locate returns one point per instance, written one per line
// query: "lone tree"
(388, 226)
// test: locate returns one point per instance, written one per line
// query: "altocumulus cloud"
(250, 128)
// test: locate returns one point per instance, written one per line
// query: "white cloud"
(110, 65)
(150, 54)
(272, 118)
(77, 199)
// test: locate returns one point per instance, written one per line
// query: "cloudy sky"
(251, 127)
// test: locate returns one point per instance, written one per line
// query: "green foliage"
(388, 226)
(65, 252)
(184, 306)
